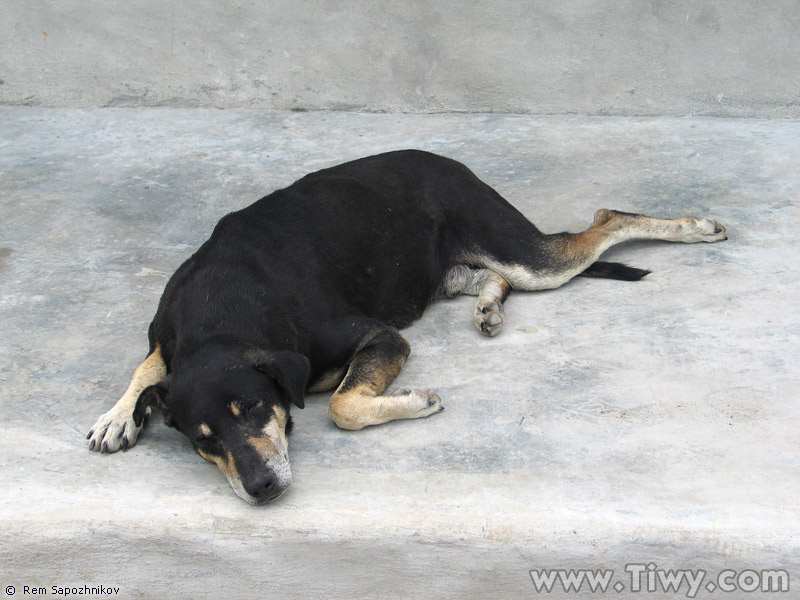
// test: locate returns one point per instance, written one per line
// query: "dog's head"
(232, 402)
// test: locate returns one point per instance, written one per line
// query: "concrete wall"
(628, 57)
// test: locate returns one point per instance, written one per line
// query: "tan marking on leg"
(361, 407)
(612, 227)
(359, 401)
(116, 429)
(571, 253)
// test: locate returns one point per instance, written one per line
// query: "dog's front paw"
(489, 318)
(702, 230)
(115, 430)
(418, 403)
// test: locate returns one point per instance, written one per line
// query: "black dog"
(306, 289)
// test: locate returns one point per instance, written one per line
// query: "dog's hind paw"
(489, 318)
(115, 430)
(702, 230)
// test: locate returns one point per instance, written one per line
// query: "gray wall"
(628, 57)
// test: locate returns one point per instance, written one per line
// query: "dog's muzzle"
(263, 486)
(260, 480)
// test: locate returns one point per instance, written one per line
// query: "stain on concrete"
(4, 254)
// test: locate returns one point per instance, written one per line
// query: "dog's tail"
(611, 270)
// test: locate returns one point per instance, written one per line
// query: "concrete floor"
(610, 423)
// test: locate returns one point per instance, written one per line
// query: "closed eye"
(254, 408)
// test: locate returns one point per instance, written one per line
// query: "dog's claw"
(433, 402)
(696, 229)
(489, 322)
(115, 430)
(90, 434)
(489, 318)
(418, 402)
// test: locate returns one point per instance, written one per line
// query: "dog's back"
(376, 235)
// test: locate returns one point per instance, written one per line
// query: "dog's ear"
(289, 369)
(154, 395)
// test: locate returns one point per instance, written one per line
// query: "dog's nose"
(265, 486)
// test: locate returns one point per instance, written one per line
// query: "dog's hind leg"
(491, 290)
(117, 429)
(612, 227)
(549, 261)
(525, 259)
(359, 400)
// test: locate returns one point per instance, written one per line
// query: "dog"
(306, 289)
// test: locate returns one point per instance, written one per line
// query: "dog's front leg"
(359, 400)
(117, 429)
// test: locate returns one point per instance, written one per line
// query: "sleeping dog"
(305, 291)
